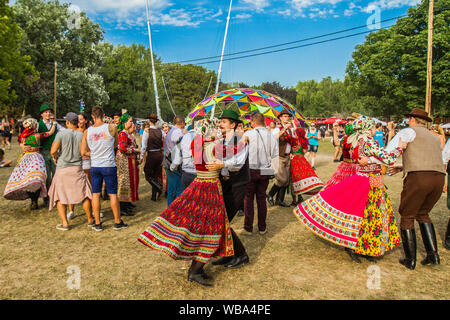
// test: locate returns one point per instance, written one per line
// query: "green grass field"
(288, 262)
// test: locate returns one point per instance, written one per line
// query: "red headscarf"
(25, 133)
(300, 132)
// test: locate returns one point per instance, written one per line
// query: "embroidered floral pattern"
(378, 232)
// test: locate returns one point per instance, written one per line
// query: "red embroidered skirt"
(344, 171)
(304, 178)
(194, 226)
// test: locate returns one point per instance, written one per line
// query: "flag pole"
(158, 111)
(221, 58)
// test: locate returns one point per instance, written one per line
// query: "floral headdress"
(361, 127)
(205, 126)
(30, 125)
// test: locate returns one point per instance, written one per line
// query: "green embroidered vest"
(46, 143)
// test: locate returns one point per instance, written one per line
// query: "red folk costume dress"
(127, 168)
(356, 213)
(30, 174)
(195, 225)
(304, 178)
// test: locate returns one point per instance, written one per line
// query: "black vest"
(241, 177)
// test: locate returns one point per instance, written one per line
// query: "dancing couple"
(196, 226)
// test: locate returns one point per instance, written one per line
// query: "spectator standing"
(6, 133)
(99, 142)
(378, 137)
(151, 149)
(336, 141)
(313, 144)
(183, 156)
(263, 147)
(272, 125)
(45, 125)
(439, 132)
(70, 184)
(172, 138)
(127, 165)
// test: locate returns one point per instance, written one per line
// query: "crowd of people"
(210, 169)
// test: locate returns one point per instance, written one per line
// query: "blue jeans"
(173, 186)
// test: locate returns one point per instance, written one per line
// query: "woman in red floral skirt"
(304, 178)
(195, 226)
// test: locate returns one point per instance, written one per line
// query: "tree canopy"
(386, 76)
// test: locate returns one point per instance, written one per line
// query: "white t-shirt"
(101, 144)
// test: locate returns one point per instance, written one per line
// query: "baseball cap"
(71, 116)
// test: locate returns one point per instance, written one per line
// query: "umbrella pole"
(221, 57)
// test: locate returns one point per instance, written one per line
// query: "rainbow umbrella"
(246, 101)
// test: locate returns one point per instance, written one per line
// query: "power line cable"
(290, 42)
(301, 40)
(291, 48)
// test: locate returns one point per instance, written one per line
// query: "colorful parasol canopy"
(247, 101)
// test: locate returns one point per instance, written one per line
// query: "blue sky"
(183, 29)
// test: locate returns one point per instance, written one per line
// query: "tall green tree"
(325, 98)
(128, 79)
(187, 85)
(388, 71)
(53, 33)
(14, 66)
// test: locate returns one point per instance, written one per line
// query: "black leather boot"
(296, 200)
(430, 243)
(221, 261)
(271, 193)
(447, 237)
(353, 255)
(409, 248)
(280, 198)
(153, 194)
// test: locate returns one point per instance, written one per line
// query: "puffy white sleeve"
(407, 135)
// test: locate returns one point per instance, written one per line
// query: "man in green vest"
(45, 125)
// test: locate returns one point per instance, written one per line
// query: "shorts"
(312, 148)
(107, 174)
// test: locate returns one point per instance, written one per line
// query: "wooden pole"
(54, 90)
(430, 57)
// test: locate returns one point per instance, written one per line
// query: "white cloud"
(258, 5)
(286, 13)
(243, 16)
(390, 4)
(126, 14)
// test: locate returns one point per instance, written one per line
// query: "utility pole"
(54, 90)
(430, 57)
